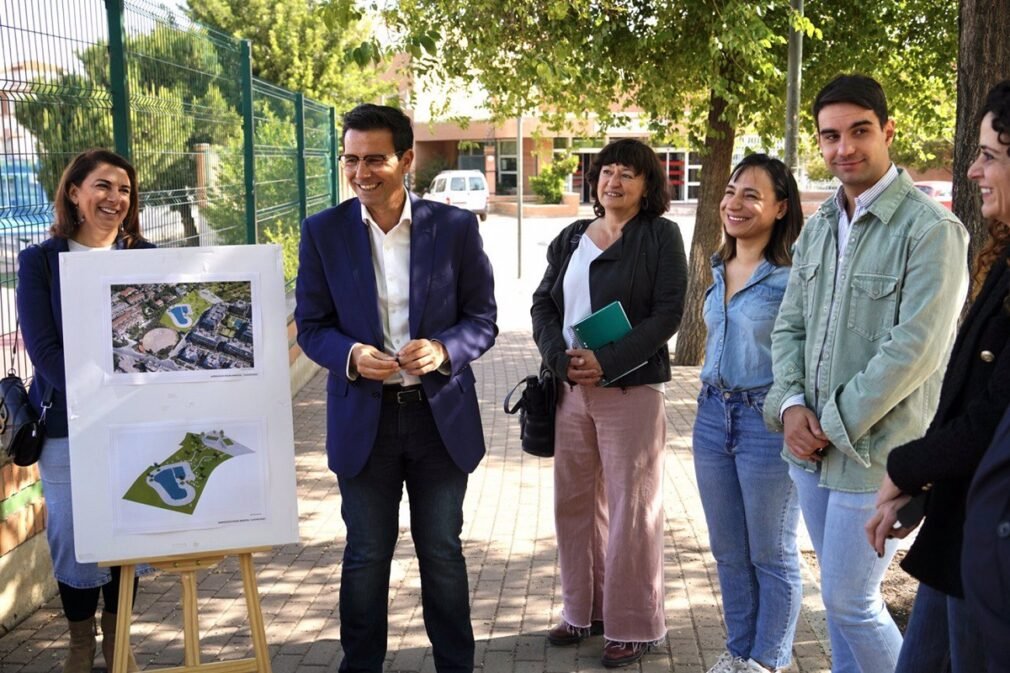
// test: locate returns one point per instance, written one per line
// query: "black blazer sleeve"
(953, 447)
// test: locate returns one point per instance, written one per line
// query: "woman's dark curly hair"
(640, 158)
(997, 103)
(67, 220)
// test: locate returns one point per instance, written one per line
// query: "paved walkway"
(511, 554)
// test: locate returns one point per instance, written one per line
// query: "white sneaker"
(727, 663)
(751, 666)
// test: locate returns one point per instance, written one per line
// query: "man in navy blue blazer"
(395, 297)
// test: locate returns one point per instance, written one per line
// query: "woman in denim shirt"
(749, 500)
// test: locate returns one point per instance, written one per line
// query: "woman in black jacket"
(96, 208)
(937, 468)
(611, 423)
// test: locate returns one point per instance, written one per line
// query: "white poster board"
(179, 402)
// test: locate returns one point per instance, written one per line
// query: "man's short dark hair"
(369, 117)
(859, 90)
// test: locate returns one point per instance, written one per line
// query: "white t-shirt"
(578, 303)
(80, 247)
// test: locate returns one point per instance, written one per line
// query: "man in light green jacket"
(859, 347)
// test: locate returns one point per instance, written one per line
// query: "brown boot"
(109, 643)
(81, 656)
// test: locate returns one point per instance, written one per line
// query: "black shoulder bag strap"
(47, 397)
(577, 233)
(528, 380)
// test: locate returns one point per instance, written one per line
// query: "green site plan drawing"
(177, 482)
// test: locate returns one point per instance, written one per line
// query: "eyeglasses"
(374, 162)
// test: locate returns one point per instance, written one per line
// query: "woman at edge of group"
(608, 504)
(96, 208)
(749, 500)
(973, 397)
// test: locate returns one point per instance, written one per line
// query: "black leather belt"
(403, 394)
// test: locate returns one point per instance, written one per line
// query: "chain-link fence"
(221, 157)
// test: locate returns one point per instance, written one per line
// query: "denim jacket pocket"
(807, 274)
(872, 305)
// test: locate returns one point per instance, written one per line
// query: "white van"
(464, 189)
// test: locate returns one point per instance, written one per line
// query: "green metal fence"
(222, 157)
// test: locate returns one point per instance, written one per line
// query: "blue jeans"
(752, 513)
(864, 637)
(408, 450)
(54, 468)
(941, 636)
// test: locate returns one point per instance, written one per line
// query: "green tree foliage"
(910, 46)
(183, 92)
(700, 69)
(63, 127)
(276, 191)
(288, 238)
(311, 47)
(549, 185)
(171, 109)
(306, 46)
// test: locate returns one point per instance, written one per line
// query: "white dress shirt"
(391, 264)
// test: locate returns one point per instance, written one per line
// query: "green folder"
(600, 328)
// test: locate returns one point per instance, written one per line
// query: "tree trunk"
(983, 60)
(715, 167)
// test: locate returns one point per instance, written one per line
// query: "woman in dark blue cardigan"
(96, 208)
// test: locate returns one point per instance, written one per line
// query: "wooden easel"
(186, 566)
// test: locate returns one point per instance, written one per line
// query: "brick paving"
(511, 554)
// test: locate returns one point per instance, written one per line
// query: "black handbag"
(536, 407)
(22, 431)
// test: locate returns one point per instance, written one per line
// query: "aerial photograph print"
(167, 328)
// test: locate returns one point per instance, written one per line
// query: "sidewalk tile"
(511, 556)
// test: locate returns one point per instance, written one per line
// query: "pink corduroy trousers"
(608, 509)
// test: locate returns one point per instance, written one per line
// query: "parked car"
(464, 189)
(941, 190)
